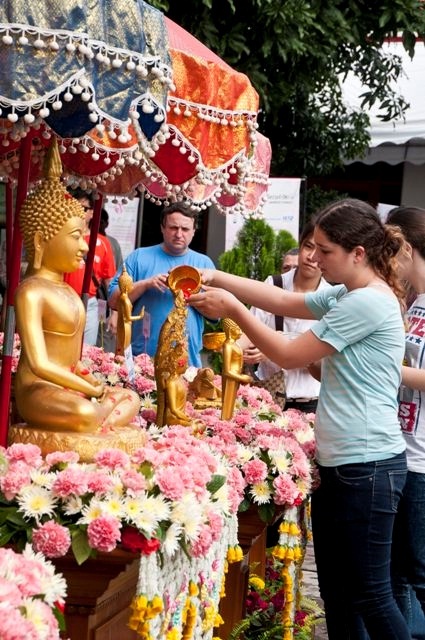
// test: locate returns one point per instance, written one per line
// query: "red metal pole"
(94, 229)
(9, 228)
(15, 265)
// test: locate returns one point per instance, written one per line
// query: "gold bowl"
(214, 341)
(185, 278)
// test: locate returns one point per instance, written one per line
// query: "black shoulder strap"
(278, 282)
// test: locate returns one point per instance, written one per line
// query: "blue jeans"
(92, 321)
(353, 513)
(408, 563)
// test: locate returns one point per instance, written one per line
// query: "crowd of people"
(337, 326)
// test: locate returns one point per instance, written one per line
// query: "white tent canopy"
(402, 140)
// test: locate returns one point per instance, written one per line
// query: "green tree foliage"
(295, 53)
(283, 242)
(257, 252)
(317, 198)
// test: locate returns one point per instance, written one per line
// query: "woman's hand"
(207, 276)
(214, 303)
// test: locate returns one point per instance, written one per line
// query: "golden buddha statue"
(171, 360)
(63, 405)
(231, 374)
(124, 319)
(203, 392)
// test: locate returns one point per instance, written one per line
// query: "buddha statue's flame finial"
(52, 168)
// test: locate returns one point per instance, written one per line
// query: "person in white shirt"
(302, 389)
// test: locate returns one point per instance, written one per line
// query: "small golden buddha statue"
(171, 360)
(61, 402)
(203, 392)
(231, 374)
(124, 319)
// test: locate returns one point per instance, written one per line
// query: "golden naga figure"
(231, 374)
(171, 361)
(125, 307)
(54, 391)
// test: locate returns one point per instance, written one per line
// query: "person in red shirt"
(103, 270)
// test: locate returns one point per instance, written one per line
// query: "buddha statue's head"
(231, 329)
(46, 210)
(125, 281)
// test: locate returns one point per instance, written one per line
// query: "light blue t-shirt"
(144, 263)
(356, 419)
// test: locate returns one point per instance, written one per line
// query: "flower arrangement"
(270, 452)
(170, 493)
(174, 500)
(32, 596)
(265, 608)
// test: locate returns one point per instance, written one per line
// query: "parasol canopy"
(136, 102)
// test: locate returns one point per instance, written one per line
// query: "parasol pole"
(9, 228)
(94, 230)
(14, 261)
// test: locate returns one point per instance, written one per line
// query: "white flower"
(190, 373)
(171, 543)
(281, 421)
(112, 506)
(34, 611)
(152, 510)
(189, 514)
(53, 585)
(244, 453)
(221, 498)
(131, 507)
(280, 459)
(72, 505)
(261, 493)
(91, 511)
(36, 502)
(42, 478)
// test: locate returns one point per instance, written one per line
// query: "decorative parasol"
(159, 113)
(136, 103)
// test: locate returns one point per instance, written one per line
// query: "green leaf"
(216, 483)
(266, 511)
(146, 469)
(18, 520)
(60, 618)
(80, 546)
(5, 536)
(244, 505)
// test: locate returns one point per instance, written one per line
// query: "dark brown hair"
(178, 207)
(351, 223)
(411, 221)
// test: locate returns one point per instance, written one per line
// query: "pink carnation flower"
(112, 458)
(286, 490)
(103, 533)
(28, 453)
(51, 539)
(255, 471)
(17, 477)
(14, 626)
(201, 546)
(70, 481)
(62, 457)
(133, 480)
